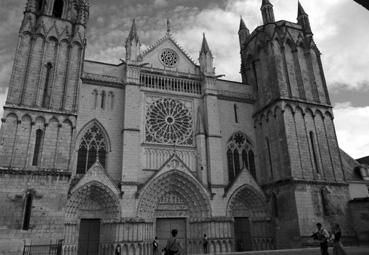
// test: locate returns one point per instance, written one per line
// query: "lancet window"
(240, 155)
(92, 148)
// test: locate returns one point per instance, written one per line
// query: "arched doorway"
(89, 208)
(253, 228)
(175, 199)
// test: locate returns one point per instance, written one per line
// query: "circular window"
(168, 121)
(169, 57)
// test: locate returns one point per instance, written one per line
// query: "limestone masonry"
(100, 154)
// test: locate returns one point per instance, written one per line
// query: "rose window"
(168, 121)
(169, 57)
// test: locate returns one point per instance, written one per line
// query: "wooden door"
(89, 237)
(242, 234)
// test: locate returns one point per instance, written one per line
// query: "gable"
(167, 54)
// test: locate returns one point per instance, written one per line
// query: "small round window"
(169, 57)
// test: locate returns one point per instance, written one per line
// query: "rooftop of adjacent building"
(364, 3)
(363, 160)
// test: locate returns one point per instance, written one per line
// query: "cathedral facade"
(99, 154)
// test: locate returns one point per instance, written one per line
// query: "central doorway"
(89, 237)
(164, 227)
(242, 234)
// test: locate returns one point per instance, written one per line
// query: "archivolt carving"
(178, 188)
(94, 197)
(247, 202)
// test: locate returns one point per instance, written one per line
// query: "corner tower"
(296, 140)
(43, 91)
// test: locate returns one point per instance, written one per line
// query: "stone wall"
(359, 209)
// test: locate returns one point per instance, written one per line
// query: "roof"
(364, 160)
(364, 3)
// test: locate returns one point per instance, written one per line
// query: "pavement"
(356, 250)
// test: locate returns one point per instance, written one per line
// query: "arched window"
(315, 158)
(38, 147)
(103, 96)
(91, 149)
(47, 86)
(95, 95)
(275, 205)
(255, 75)
(235, 113)
(27, 211)
(58, 8)
(239, 156)
(269, 157)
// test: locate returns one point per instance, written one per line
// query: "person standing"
(173, 246)
(155, 246)
(205, 244)
(337, 244)
(322, 235)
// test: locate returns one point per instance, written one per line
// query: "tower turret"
(267, 12)
(303, 20)
(133, 44)
(206, 58)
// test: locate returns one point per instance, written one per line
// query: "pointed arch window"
(235, 108)
(58, 8)
(103, 98)
(27, 211)
(38, 147)
(91, 149)
(47, 86)
(313, 150)
(240, 155)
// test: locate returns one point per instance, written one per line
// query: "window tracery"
(91, 149)
(240, 155)
(169, 57)
(169, 121)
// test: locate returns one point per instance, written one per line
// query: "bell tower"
(44, 85)
(296, 139)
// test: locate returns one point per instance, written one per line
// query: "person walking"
(155, 246)
(337, 244)
(173, 246)
(322, 235)
(205, 244)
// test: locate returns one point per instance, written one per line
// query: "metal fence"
(47, 249)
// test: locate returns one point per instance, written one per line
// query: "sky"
(339, 27)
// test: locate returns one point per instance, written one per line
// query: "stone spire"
(243, 32)
(206, 57)
(267, 12)
(133, 43)
(303, 20)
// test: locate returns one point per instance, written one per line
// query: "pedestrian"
(173, 246)
(155, 246)
(118, 249)
(205, 244)
(322, 235)
(337, 244)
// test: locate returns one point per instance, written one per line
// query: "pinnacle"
(242, 24)
(133, 32)
(301, 10)
(205, 47)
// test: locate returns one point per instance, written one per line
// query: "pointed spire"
(300, 10)
(267, 12)
(168, 26)
(303, 20)
(243, 33)
(205, 47)
(242, 24)
(133, 43)
(133, 32)
(206, 58)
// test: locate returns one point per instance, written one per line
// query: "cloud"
(352, 125)
(160, 3)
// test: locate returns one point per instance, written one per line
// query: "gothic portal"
(100, 154)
